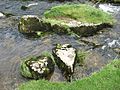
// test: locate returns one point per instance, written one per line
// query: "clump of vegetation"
(81, 56)
(107, 79)
(80, 12)
(24, 69)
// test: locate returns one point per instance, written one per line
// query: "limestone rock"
(65, 59)
(36, 68)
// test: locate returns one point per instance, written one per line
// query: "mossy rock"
(40, 67)
(81, 19)
(33, 25)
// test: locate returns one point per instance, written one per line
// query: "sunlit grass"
(80, 12)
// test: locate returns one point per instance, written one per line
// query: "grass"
(80, 12)
(107, 79)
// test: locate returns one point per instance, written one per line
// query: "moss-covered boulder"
(32, 24)
(37, 67)
(81, 19)
(64, 56)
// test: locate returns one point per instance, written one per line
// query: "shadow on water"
(14, 46)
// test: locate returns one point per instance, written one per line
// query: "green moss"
(48, 54)
(24, 69)
(80, 57)
(80, 12)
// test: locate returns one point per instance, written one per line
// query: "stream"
(14, 46)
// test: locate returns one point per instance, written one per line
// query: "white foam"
(109, 8)
(32, 4)
(110, 44)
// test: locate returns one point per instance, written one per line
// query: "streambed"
(105, 46)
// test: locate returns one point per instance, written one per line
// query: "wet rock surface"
(29, 24)
(14, 46)
(65, 57)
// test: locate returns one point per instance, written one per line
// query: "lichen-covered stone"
(36, 68)
(32, 24)
(65, 59)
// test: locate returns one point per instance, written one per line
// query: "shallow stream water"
(15, 46)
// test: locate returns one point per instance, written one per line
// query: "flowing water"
(14, 46)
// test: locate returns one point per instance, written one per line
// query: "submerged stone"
(37, 68)
(65, 59)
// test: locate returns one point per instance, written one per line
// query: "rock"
(37, 68)
(32, 24)
(91, 20)
(117, 50)
(2, 15)
(58, 21)
(65, 59)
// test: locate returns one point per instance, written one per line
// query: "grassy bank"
(107, 79)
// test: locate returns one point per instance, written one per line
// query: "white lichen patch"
(25, 17)
(67, 55)
(78, 24)
(39, 66)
